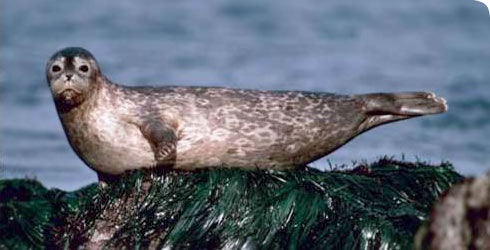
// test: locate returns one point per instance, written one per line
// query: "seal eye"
(83, 68)
(55, 68)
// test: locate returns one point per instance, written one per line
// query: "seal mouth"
(69, 90)
(69, 94)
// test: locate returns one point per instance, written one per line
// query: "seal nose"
(68, 76)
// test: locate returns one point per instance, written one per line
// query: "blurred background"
(331, 46)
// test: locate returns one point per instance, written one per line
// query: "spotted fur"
(117, 128)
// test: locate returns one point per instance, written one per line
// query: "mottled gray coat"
(115, 128)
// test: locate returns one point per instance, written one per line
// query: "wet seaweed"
(372, 206)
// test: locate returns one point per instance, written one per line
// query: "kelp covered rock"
(373, 206)
(29, 212)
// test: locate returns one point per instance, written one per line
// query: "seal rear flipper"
(381, 108)
(403, 104)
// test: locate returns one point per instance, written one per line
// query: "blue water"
(333, 46)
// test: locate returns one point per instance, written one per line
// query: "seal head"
(71, 74)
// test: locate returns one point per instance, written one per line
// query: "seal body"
(114, 128)
(214, 127)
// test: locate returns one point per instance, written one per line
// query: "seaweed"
(377, 205)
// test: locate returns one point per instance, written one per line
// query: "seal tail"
(388, 107)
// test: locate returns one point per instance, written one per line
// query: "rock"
(378, 205)
(461, 219)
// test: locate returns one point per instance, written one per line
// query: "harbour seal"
(114, 128)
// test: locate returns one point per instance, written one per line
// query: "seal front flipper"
(163, 140)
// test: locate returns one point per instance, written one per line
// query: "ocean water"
(331, 46)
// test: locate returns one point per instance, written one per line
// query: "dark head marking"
(71, 52)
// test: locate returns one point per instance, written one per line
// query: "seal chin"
(69, 94)
(68, 98)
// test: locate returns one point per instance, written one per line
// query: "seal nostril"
(68, 76)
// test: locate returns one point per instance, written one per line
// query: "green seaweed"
(378, 205)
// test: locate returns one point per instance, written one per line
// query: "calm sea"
(332, 46)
